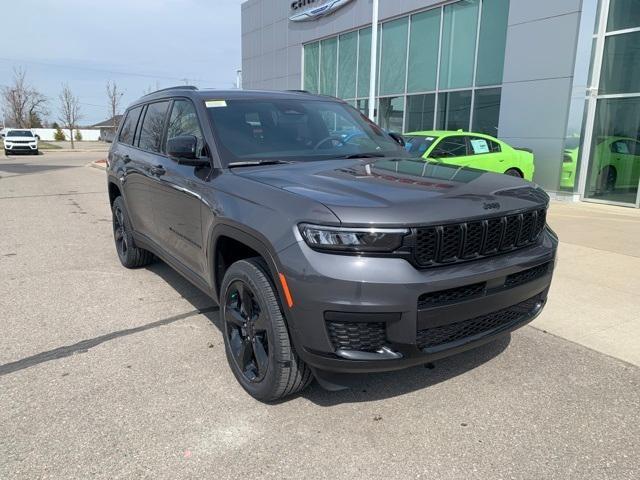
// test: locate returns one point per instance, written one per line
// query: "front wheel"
(256, 339)
(514, 172)
(6, 152)
(36, 152)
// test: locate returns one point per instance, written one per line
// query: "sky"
(139, 44)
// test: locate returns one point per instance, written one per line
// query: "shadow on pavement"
(28, 168)
(364, 388)
(378, 386)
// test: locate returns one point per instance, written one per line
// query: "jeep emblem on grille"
(490, 205)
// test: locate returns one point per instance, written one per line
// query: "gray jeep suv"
(329, 249)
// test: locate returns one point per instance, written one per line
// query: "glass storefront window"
(492, 42)
(486, 111)
(362, 105)
(454, 110)
(423, 51)
(311, 63)
(328, 59)
(393, 61)
(420, 112)
(407, 74)
(623, 14)
(347, 57)
(614, 164)
(364, 61)
(621, 64)
(391, 112)
(458, 44)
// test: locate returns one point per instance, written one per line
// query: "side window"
(153, 126)
(479, 146)
(129, 126)
(494, 147)
(450, 147)
(184, 121)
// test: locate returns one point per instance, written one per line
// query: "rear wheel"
(130, 256)
(256, 339)
(514, 172)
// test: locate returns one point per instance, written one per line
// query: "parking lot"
(114, 373)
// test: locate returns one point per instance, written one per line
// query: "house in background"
(108, 128)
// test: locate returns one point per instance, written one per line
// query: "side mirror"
(184, 150)
(398, 138)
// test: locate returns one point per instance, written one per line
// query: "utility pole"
(374, 61)
(239, 79)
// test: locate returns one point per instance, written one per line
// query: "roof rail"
(176, 87)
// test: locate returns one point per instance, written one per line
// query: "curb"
(99, 164)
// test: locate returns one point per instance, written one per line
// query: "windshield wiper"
(256, 163)
(363, 155)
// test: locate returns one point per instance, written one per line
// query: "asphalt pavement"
(114, 373)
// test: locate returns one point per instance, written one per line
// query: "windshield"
(416, 146)
(294, 130)
(19, 133)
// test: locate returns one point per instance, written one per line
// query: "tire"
(607, 180)
(130, 256)
(6, 152)
(264, 335)
(36, 152)
(514, 172)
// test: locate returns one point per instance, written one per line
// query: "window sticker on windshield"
(480, 145)
(429, 139)
(215, 103)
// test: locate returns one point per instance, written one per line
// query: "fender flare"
(252, 239)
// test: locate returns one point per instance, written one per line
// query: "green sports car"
(468, 149)
(617, 164)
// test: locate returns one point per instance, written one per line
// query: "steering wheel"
(331, 138)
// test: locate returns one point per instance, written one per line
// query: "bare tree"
(24, 106)
(69, 110)
(115, 97)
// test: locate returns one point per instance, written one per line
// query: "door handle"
(158, 170)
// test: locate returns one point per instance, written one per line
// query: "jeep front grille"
(443, 244)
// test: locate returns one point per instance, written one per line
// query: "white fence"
(48, 134)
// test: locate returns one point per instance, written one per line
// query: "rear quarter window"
(129, 126)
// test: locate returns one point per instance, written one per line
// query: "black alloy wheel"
(120, 232)
(247, 331)
(129, 254)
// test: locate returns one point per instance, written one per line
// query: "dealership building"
(558, 77)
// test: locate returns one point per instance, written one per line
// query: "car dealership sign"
(304, 10)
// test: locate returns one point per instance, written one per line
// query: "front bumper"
(21, 147)
(386, 291)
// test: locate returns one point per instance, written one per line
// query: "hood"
(401, 191)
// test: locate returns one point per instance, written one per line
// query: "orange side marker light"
(285, 288)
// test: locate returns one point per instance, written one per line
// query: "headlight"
(353, 239)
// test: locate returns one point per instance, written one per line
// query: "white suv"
(20, 141)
